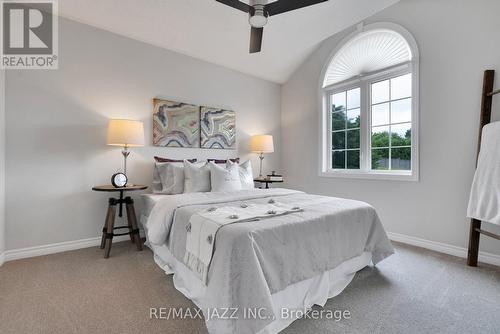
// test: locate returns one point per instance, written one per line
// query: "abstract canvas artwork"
(218, 128)
(176, 124)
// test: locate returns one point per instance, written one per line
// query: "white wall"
(2, 166)
(56, 127)
(458, 40)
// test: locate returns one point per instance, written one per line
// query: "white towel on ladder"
(484, 201)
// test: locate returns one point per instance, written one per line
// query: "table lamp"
(125, 133)
(261, 144)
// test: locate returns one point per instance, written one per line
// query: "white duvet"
(253, 261)
(204, 225)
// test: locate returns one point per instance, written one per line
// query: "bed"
(261, 270)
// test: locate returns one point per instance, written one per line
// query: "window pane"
(338, 140)
(380, 159)
(380, 114)
(353, 98)
(380, 91)
(380, 136)
(401, 158)
(391, 125)
(353, 118)
(353, 139)
(338, 101)
(338, 121)
(353, 159)
(401, 87)
(401, 135)
(401, 111)
(338, 159)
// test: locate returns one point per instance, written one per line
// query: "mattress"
(149, 201)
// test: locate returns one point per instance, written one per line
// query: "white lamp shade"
(124, 132)
(262, 144)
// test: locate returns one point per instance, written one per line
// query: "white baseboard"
(16, 254)
(443, 248)
(22, 253)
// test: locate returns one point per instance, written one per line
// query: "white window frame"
(364, 82)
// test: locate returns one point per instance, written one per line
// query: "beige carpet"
(414, 291)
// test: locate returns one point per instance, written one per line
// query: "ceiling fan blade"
(236, 4)
(256, 39)
(283, 6)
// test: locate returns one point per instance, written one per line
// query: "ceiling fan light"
(257, 21)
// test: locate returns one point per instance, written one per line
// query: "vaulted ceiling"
(211, 31)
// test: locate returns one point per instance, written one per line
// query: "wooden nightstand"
(266, 181)
(109, 224)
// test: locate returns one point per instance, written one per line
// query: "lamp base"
(261, 157)
(125, 153)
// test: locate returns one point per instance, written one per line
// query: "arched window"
(369, 116)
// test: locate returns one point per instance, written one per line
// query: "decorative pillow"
(246, 175)
(156, 184)
(172, 177)
(223, 161)
(225, 178)
(196, 177)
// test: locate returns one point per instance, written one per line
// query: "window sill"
(371, 175)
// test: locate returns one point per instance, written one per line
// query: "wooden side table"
(266, 181)
(109, 224)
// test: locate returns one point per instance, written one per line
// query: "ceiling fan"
(258, 12)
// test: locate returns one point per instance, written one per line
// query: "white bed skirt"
(298, 296)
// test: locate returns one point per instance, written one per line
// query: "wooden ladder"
(485, 118)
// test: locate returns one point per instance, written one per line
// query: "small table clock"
(119, 180)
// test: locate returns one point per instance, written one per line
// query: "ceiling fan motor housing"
(259, 17)
(259, 10)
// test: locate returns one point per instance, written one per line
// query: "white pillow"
(246, 174)
(172, 177)
(196, 177)
(225, 178)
